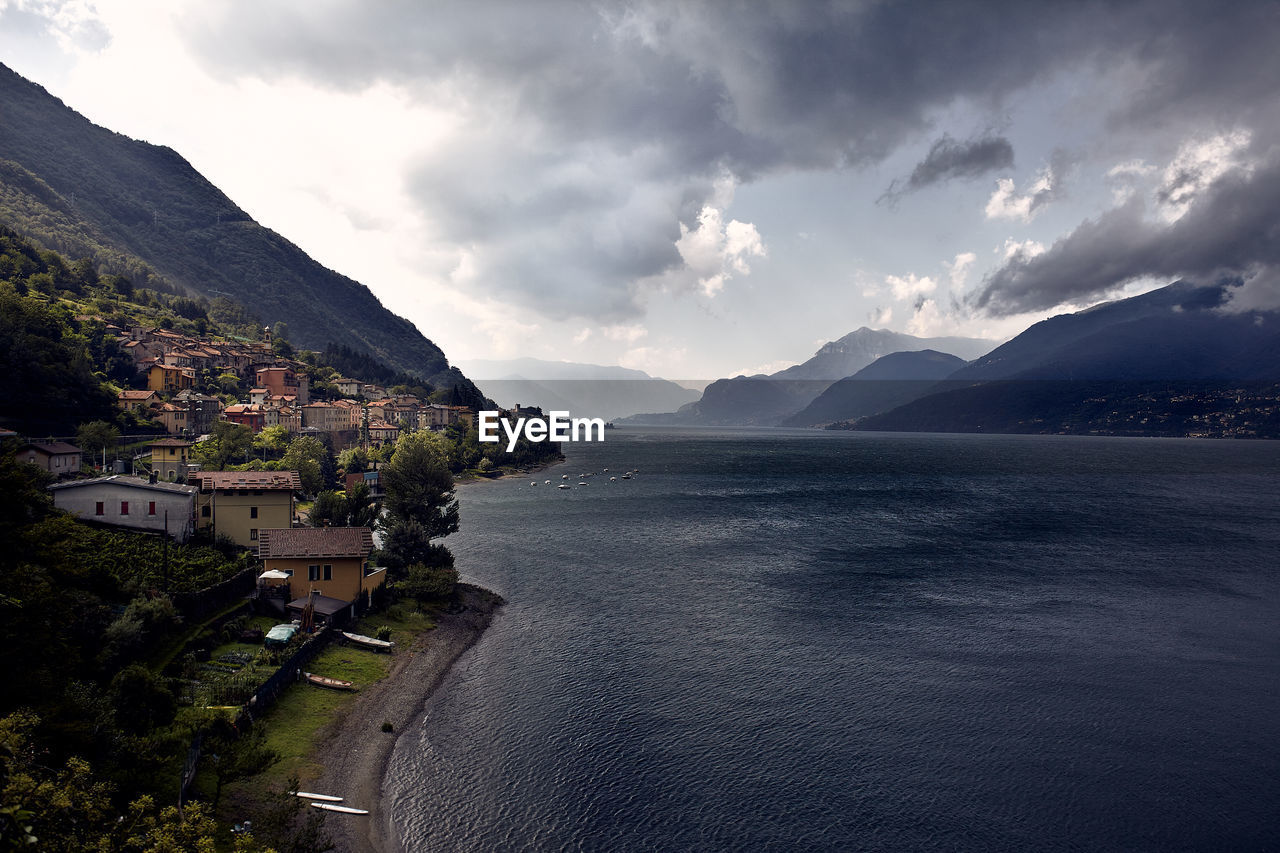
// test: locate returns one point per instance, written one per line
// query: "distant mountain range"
(1174, 361)
(770, 400)
(585, 390)
(141, 211)
(886, 383)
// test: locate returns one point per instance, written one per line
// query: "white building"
(131, 502)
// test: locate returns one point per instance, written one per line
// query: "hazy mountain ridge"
(586, 390)
(142, 211)
(886, 383)
(769, 400)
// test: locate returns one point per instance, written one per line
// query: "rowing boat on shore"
(331, 683)
(324, 798)
(371, 642)
(330, 807)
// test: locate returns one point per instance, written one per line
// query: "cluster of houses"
(280, 395)
(326, 567)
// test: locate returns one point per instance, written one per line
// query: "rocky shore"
(356, 750)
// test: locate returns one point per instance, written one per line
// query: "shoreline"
(356, 751)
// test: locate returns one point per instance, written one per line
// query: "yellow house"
(240, 504)
(170, 379)
(169, 457)
(333, 561)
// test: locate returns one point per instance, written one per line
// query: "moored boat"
(371, 642)
(331, 683)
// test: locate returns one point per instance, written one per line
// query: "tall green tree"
(312, 460)
(228, 441)
(419, 486)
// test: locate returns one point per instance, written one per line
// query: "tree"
(97, 437)
(430, 582)
(310, 458)
(272, 439)
(362, 509)
(330, 510)
(419, 486)
(228, 440)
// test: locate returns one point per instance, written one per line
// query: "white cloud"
(1197, 165)
(910, 286)
(1007, 203)
(582, 337)
(1026, 248)
(958, 269)
(714, 252)
(657, 361)
(881, 317)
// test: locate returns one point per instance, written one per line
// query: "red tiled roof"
(271, 480)
(315, 542)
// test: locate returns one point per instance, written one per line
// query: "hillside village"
(210, 513)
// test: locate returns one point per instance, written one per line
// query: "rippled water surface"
(832, 641)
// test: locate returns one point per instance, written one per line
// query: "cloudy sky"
(700, 189)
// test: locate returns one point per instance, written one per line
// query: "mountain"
(585, 390)
(769, 400)
(885, 384)
(1174, 361)
(141, 211)
(856, 350)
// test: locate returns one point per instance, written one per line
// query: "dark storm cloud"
(661, 99)
(948, 159)
(1231, 228)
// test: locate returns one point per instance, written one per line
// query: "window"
(124, 507)
(328, 573)
(253, 533)
(151, 508)
(253, 512)
(99, 508)
(204, 511)
(313, 573)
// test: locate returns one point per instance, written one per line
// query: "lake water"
(777, 640)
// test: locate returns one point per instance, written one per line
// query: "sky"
(703, 189)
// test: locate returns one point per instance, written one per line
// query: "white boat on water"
(370, 642)
(564, 486)
(330, 807)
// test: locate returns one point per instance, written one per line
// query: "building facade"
(240, 504)
(132, 503)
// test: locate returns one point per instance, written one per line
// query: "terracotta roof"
(315, 542)
(130, 394)
(272, 480)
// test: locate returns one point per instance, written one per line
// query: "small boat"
(548, 482)
(371, 642)
(331, 683)
(613, 479)
(330, 807)
(564, 476)
(324, 798)
(534, 483)
(564, 486)
(583, 483)
(626, 476)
